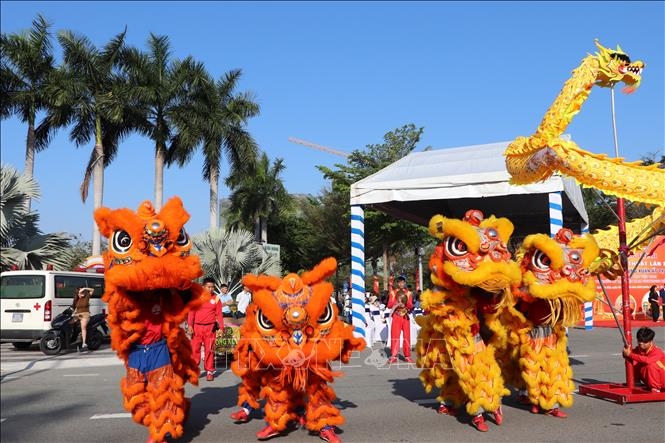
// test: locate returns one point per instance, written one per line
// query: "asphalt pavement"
(76, 398)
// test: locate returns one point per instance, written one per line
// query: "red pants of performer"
(653, 375)
(203, 334)
(400, 325)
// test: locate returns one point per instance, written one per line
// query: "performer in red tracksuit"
(648, 360)
(201, 325)
(400, 300)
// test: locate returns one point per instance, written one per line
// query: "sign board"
(649, 272)
(271, 249)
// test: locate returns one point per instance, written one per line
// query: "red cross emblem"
(37, 306)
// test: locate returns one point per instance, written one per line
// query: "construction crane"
(319, 147)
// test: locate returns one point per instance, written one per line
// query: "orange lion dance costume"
(290, 336)
(149, 291)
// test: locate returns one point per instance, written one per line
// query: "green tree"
(26, 62)
(255, 197)
(160, 92)
(89, 92)
(384, 236)
(295, 234)
(22, 245)
(228, 255)
(220, 115)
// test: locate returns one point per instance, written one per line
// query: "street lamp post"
(420, 252)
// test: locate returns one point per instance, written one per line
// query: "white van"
(29, 300)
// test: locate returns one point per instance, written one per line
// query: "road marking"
(578, 356)
(81, 375)
(2, 419)
(41, 365)
(117, 415)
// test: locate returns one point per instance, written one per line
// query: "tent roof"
(451, 181)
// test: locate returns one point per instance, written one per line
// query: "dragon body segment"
(472, 272)
(290, 336)
(149, 289)
(536, 158)
(637, 231)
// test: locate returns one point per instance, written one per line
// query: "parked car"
(30, 300)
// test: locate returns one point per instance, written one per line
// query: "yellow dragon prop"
(290, 336)
(638, 231)
(556, 281)
(472, 272)
(536, 158)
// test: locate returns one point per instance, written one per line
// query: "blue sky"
(342, 74)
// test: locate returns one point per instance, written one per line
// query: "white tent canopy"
(451, 181)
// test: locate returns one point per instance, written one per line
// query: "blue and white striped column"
(556, 213)
(588, 305)
(358, 270)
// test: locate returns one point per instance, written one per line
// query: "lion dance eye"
(455, 247)
(121, 242)
(327, 314)
(540, 261)
(183, 238)
(264, 323)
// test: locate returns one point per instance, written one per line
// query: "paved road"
(76, 398)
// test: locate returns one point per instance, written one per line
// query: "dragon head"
(557, 269)
(148, 251)
(473, 252)
(615, 66)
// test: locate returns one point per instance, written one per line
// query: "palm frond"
(226, 255)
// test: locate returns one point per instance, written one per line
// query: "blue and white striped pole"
(358, 270)
(556, 212)
(588, 305)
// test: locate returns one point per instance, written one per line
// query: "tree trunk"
(214, 200)
(159, 177)
(257, 228)
(29, 157)
(374, 265)
(263, 222)
(98, 189)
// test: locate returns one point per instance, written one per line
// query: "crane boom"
(319, 147)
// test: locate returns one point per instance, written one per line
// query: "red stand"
(619, 392)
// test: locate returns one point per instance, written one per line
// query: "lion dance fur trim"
(148, 262)
(290, 335)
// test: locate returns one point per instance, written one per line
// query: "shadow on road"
(210, 401)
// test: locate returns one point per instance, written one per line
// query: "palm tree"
(22, 245)
(26, 62)
(160, 89)
(255, 197)
(221, 116)
(228, 255)
(89, 92)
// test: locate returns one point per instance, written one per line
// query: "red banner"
(649, 272)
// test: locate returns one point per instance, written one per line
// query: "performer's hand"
(626, 351)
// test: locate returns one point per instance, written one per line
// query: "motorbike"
(65, 333)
